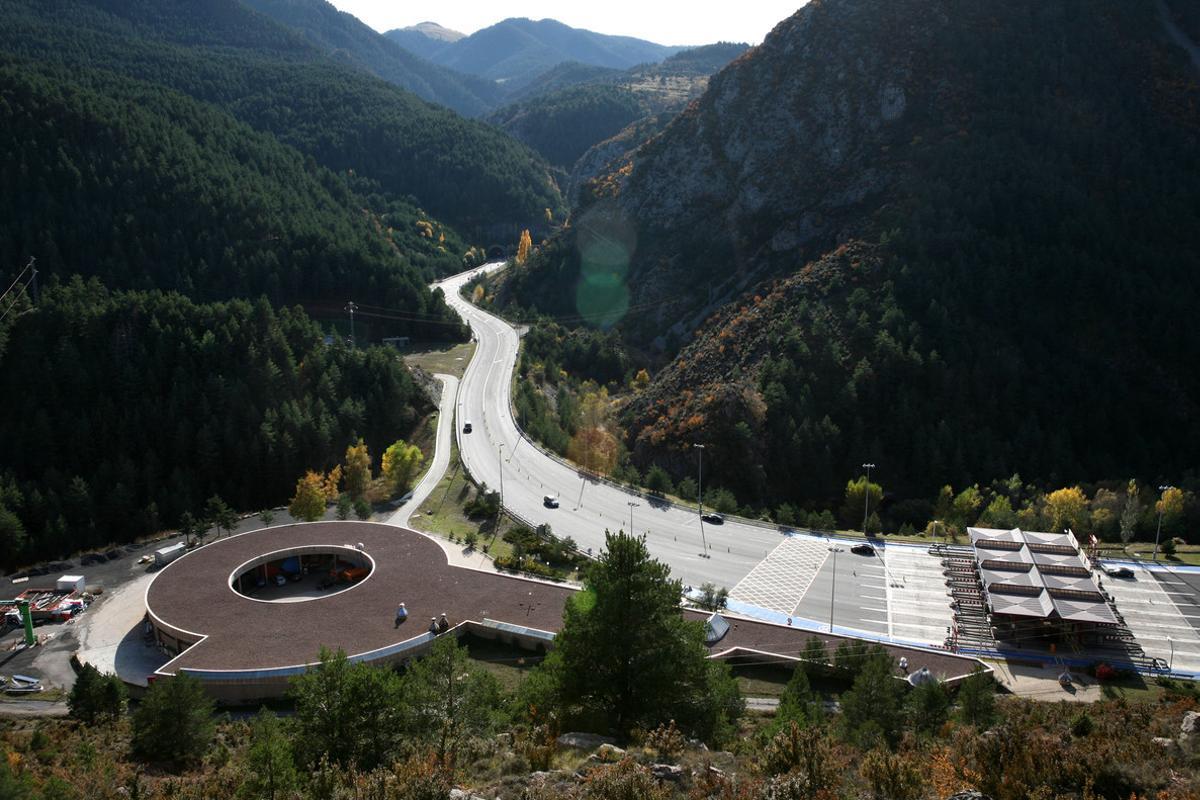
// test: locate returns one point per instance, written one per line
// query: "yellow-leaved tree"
(357, 470)
(400, 464)
(308, 503)
(523, 246)
(332, 481)
(1066, 508)
(595, 449)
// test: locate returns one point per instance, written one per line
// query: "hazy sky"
(674, 22)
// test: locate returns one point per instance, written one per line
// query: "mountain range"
(514, 52)
(947, 238)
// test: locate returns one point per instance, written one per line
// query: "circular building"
(247, 613)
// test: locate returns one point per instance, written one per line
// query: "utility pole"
(833, 585)
(351, 307)
(700, 496)
(1162, 490)
(866, 495)
(632, 505)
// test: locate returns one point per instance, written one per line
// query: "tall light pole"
(1162, 490)
(351, 307)
(833, 585)
(700, 495)
(632, 505)
(867, 495)
(1171, 664)
(501, 485)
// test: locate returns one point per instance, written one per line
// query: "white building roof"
(1035, 574)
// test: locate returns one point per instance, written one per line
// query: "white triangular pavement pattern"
(918, 600)
(780, 580)
(1152, 617)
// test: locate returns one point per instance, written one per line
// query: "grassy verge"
(444, 357)
(444, 512)
(508, 663)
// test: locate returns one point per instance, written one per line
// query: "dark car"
(550, 501)
(863, 549)
(713, 518)
(467, 426)
(1118, 572)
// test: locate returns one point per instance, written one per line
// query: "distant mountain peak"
(436, 32)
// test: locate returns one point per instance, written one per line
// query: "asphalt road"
(587, 507)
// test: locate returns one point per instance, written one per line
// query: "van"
(467, 426)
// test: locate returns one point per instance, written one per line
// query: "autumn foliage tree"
(308, 503)
(357, 471)
(524, 246)
(594, 449)
(400, 464)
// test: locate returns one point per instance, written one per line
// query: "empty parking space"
(1162, 613)
(854, 598)
(780, 580)
(917, 595)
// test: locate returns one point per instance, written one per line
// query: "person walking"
(401, 614)
(443, 624)
(433, 626)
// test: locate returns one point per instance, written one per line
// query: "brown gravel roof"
(193, 594)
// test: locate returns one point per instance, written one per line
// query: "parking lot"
(1161, 608)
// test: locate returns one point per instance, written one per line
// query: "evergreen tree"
(96, 697)
(977, 699)
(871, 709)
(448, 700)
(630, 659)
(270, 768)
(174, 723)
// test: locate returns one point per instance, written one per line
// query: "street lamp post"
(700, 495)
(499, 510)
(1162, 490)
(1171, 663)
(632, 505)
(833, 585)
(867, 495)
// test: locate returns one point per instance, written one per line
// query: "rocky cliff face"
(906, 229)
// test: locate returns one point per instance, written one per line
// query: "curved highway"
(587, 507)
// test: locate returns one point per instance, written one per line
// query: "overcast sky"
(672, 22)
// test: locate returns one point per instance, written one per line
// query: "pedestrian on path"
(401, 614)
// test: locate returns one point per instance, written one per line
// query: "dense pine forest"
(125, 409)
(146, 188)
(463, 172)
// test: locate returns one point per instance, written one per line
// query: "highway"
(587, 507)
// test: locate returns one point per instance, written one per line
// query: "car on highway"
(550, 501)
(713, 518)
(863, 549)
(1114, 571)
(467, 426)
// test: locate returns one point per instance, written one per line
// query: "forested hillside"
(350, 41)
(146, 188)
(576, 107)
(564, 124)
(463, 172)
(123, 410)
(954, 240)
